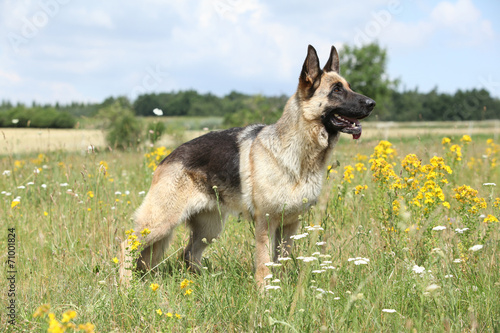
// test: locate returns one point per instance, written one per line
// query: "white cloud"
(92, 18)
(10, 77)
(459, 24)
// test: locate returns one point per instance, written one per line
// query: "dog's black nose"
(370, 103)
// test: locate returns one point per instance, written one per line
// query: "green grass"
(66, 240)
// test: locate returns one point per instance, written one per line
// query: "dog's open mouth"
(346, 125)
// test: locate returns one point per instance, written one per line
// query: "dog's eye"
(337, 89)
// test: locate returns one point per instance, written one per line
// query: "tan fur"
(278, 168)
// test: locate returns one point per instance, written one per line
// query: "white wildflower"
(43, 186)
(318, 271)
(6, 172)
(457, 261)
(284, 259)
(359, 261)
(299, 236)
(418, 269)
(272, 287)
(118, 193)
(432, 287)
(267, 277)
(142, 193)
(308, 259)
(272, 264)
(389, 310)
(64, 184)
(320, 243)
(489, 184)
(158, 112)
(439, 228)
(476, 248)
(314, 228)
(461, 231)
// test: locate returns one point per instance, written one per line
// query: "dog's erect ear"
(310, 69)
(333, 62)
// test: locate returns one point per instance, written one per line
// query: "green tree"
(365, 69)
(124, 129)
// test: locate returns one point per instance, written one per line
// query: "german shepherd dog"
(265, 172)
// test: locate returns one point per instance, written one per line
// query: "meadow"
(404, 238)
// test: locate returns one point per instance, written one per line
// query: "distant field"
(42, 140)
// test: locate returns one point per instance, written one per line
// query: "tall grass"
(371, 265)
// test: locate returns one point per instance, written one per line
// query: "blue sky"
(69, 50)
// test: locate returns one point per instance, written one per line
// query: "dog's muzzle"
(347, 120)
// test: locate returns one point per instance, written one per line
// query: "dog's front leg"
(263, 228)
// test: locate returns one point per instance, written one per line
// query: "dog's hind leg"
(205, 227)
(172, 199)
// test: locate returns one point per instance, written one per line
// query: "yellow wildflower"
(178, 316)
(497, 203)
(360, 157)
(359, 188)
(154, 286)
(159, 312)
(185, 283)
(445, 140)
(169, 314)
(490, 218)
(360, 167)
(188, 291)
(348, 173)
(115, 260)
(90, 194)
(145, 232)
(54, 325)
(396, 205)
(135, 245)
(41, 310)
(457, 152)
(384, 150)
(466, 139)
(87, 328)
(68, 315)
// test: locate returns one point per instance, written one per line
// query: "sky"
(85, 51)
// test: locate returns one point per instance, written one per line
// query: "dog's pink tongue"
(356, 136)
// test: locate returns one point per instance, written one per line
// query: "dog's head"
(328, 98)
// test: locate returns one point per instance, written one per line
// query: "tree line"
(364, 67)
